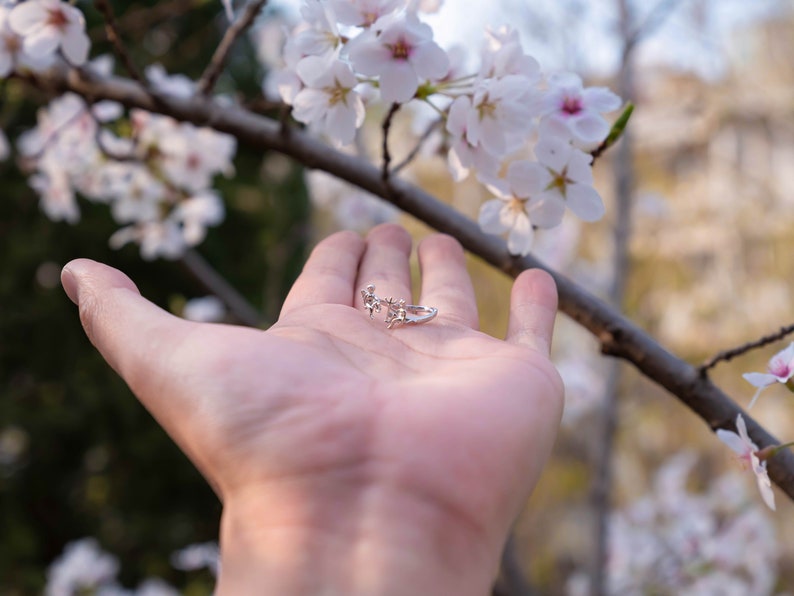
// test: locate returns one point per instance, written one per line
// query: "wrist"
(371, 543)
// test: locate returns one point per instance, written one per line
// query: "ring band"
(397, 311)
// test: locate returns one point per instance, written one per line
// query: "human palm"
(333, 410)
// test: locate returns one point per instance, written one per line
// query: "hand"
(350, 459)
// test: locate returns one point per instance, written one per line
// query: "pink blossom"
(46, 25)
(329, 100)
(746, 452)
(781, 369)
(567, 177)
(517, 207)
(363, 13)
(579, 108)
(402, 54)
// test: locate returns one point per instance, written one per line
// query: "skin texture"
(350, 459)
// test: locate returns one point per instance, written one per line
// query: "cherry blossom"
(208, 309)
(517, 208)
(464, 156)
(329, 101)
(12, 51)
(503, 55)
(746, 452)
(402, 55)
(567, 177)
(497, 117)
(321, 36)
(781, 369)
(82, 566)
(47, 25)
(579, 108)
(363, 13)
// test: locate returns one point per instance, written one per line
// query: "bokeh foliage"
(90, 461)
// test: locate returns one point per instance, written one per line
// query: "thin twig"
(387, 122)
(726, 355)
(419, 144)
(215, 283)
(218, 61)
(619, 336)
(112, 32)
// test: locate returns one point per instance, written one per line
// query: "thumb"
(132, 334)
(533, 306)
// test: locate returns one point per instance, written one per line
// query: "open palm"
(331, 416)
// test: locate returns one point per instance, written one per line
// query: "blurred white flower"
(781, 369)
(47, 25)
(569, 102)
(746, 452)
(402, 55)
(209, 309)
(518, 207)
(197, 556)
(82, 566)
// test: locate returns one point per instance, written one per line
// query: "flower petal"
(519, 241)
(490, 218)
(585, 202)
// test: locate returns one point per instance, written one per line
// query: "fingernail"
(69, 283)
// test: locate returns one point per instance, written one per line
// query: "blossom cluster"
(676, 541)
(154, 172)
(347, 55)
(84, 568)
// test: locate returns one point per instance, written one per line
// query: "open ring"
(397, 311)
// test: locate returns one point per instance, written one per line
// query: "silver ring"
(397, 311)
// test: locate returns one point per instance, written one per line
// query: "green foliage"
(91, 461)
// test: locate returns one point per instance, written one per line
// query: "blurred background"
(701, 192)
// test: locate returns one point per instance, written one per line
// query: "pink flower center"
(779, 368)
(193, 162)
(572, 105)
(400, 50)
(57, 18)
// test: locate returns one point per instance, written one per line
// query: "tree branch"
(619, 336)
(214, 69)
(112, 32)
(744, 348)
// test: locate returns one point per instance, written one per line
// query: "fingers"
(131, 333)
(533, 306)
(385, 262)
(445, 282)
(330, 273)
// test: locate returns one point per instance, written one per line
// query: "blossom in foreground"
(781, 369)
(47, 25)
(403, 54)
(208, 309)
(570, 103)
(567, 177)
(82, 566)
(497, 115)
(329, 101)
(746, 452)
(517, 207)
(363, 13)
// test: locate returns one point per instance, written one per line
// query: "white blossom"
(402, 55)
(82, 566)
(208, 309)
(746, 452)
(363, 13)
(329, 101)
(579, 108)
(49, 25)
(518, 207)
(780, 370)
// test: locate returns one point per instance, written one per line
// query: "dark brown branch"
(726, 355)
(387, 121)
(215, 283)
(419, 144)
(112, 32)
(619, 336)
(217, 63)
